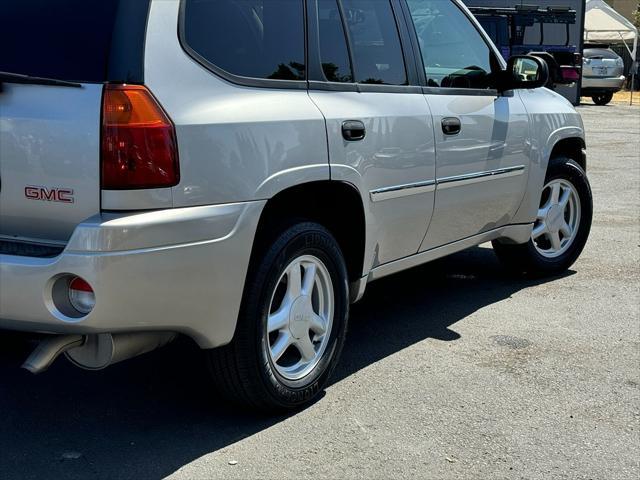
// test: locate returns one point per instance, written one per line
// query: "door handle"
(451, 125)
(353, 130)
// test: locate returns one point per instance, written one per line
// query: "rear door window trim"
(317, 79)
(238, 79)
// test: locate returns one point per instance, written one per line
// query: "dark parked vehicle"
(509, 29)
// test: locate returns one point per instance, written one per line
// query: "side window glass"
(454, 53)
(334, 54)
(375, 43)
(250, 38)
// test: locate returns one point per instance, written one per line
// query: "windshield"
(63, 39)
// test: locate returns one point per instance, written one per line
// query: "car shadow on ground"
(148, 417)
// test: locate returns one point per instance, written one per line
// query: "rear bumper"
(602, 84)
(177, 270)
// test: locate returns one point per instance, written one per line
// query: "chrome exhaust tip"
(95, 351)
(49, 349)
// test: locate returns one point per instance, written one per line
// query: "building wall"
(625, 8)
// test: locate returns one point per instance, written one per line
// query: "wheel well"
(573, 148)
(335, 205)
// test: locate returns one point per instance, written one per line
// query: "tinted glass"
(62, 39)
(334, 54)
(250, 38)
(600, 53)
(375, 43)
(453, 52)
(554, 33)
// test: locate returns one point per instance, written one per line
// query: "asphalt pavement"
(451, 370)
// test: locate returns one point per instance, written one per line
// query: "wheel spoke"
(280, 318)
(555, 193)
(539, 230)
(564, 198)
(294, 281)
(300, 317)
(309, 279)
(566, 230)
(558, 219)
(280, 346)
(318, 325)
(542, 212)
(306, 348)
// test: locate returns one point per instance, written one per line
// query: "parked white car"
(240, 179)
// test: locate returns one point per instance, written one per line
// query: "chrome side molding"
(397, 191)
(469, 178)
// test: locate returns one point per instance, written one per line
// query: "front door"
(482, 152)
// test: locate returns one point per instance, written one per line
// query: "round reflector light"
(81, 295)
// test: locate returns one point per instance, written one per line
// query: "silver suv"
(602, 73)
(238, 171)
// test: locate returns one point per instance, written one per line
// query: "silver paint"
(397, 191)
(493, 136)
(398, 149)
(176, 270)
(477, 177)
(235, 143)
(50, 137)
(178, 263)
(551, 118)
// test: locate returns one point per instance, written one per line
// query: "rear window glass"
(600, 52)
(249, 38)
(62, 39)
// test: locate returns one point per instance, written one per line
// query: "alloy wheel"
(300, 317)
(557, 220)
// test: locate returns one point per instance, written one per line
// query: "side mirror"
(524, 71)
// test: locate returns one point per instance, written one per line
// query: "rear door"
(482, 150)
(379, 128)
(50, 129)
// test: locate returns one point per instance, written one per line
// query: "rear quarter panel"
(235, 143)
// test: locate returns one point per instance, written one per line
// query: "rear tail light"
(139, 147)
(570, 74)
(81, 295)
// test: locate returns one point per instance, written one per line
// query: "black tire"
(243, 371)
(602, 98)
(525, 258)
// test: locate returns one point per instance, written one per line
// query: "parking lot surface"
(451, 370)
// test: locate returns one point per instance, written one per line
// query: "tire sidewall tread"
(258, 384)
(525, 258)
